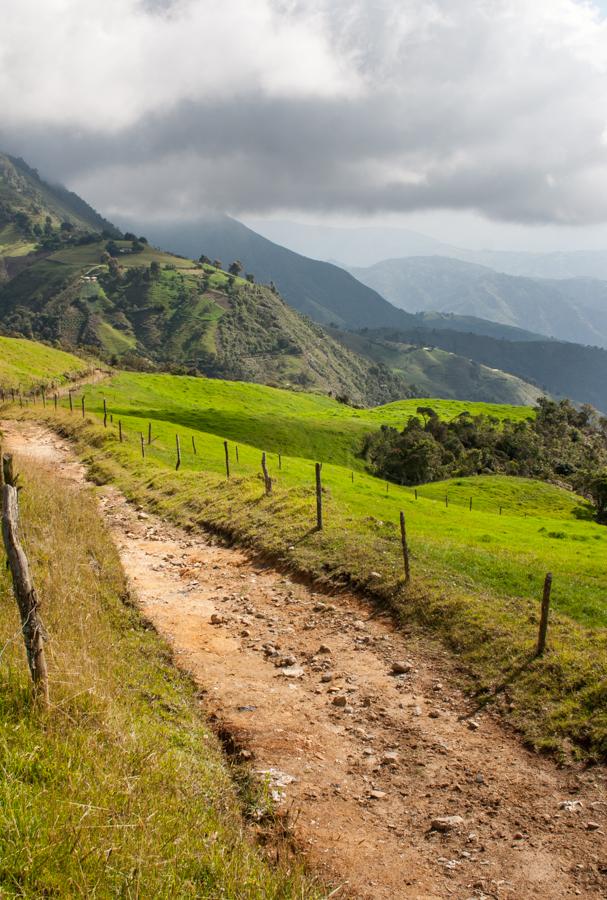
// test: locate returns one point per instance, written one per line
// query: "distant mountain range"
(364, 246)
(569, 309)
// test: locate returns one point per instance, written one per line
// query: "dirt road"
(394, 791)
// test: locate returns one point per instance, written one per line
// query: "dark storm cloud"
(487, 105)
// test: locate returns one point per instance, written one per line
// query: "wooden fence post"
(120, 430)
(266, 476)
(541, 641)
(280, 460)
(318, 498)
(43, 397)
(415, 493)
(149, 434)
(470, 504)
(23, 587)
(71, 399)
(227, 453)
(403, 536)
(142, 444)
(104, 413)
(83, 409)
(178, 448)
(237, 455)
(194, 446)
(56, 401)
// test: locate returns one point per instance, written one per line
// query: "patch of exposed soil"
(394, 791)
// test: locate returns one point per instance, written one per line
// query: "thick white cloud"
(497, 106)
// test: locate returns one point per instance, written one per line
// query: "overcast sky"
(483, 116)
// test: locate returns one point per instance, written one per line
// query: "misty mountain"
(364, 246)
(568, 310)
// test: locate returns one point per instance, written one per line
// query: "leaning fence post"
(541, 641)
(403, 536)
(237, 456)
(178, 448)
(266, 476)
(193, 446)
(23, 587)
(227, 453)
(318, 498)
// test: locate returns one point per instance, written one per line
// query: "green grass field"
(478, 573)
(26, 364)
(120, 788)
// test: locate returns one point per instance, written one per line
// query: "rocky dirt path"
(394, 792)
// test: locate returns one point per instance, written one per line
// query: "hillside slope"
(27, 201)
(433, 372)
(557, 367)
(150, 310)
(320, 290)
(25, 364)
(450, 285)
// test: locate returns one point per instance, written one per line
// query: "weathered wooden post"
(403, 537)
(266, 476)
(541, 641)
(415, 493)
(56, 401)
(193, 446)
(318, 498)
(149, 433)
(71, 399)
(104, 413)
(23, 587)
(83, 409)
(120, 430)
(142, 444)
(178, 448)
(237, 455)
(227, 454)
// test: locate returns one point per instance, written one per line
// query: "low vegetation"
(119, 789)
(478, 572)
(26, 365)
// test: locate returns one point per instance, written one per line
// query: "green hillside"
(25, 364)
(434, 372)
(145, 309)
(31, 209)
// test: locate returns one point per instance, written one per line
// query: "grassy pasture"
(26, 363)
(120, 789)
(478, 574)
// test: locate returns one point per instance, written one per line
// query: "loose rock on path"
(360, 730)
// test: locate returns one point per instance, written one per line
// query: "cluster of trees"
(560, 443)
